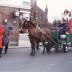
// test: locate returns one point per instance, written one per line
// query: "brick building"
(7, 11)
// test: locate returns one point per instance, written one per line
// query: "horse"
(36, 35)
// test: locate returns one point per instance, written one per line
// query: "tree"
(56, 23)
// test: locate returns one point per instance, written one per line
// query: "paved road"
(19, 60)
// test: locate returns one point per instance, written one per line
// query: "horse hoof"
(48, 51)
(43, 52)
(32, 54)
(37, 48)
(57, 51)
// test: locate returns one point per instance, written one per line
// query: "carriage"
(62, 40)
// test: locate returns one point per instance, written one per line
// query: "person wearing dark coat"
(8, 27)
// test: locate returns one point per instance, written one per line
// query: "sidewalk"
(23, 42)
(14, 47)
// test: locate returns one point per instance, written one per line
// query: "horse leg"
(32, 49)
(56, 48)
(48, 47)
(37, 45)
(44, 47)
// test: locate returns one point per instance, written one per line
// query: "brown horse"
(37, 35)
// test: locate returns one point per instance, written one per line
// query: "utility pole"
(33, 11)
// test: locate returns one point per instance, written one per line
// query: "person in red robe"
(1, 38)
(70, 26)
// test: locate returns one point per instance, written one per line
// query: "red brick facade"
(7, 12)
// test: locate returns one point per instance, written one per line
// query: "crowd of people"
(5, 29)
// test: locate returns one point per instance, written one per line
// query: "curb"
(16, 47)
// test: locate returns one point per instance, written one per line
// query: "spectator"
(1, 38)
(8, 27)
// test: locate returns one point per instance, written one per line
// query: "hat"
(66, 11)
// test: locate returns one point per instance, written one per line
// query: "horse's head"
(27, 25)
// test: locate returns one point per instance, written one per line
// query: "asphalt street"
(19, 60)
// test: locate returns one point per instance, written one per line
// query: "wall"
(7, 12)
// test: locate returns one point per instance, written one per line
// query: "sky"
(55, 7)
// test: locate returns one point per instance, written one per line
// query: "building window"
(16, 13)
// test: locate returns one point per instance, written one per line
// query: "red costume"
(70, 26)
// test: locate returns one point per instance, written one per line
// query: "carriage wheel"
(65, 48)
